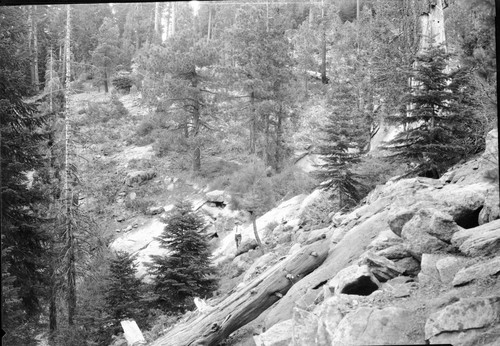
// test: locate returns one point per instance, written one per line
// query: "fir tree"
(23, 238)
(342, 144)
(123, 292)
(438, 117)
(186, 271)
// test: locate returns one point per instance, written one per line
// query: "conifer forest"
(135, 138)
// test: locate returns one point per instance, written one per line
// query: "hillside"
(417, 262)
(280, 172)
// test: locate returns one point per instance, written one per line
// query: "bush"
(170, 142)
(77, 87)
(139, 204)
(145, 127)
(122, 83)
(186, 272)
(291, 182)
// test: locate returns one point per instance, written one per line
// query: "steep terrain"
(412, 264)
(417, 262)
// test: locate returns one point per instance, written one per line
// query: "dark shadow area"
(469, 219)
(320, 284)
(364, 286)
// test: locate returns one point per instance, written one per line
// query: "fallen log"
(246, 303)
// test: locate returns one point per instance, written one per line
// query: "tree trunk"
(36, 81)
(209, 34)
(266, 134)
(255, 232)
(53, 303)
(279, 139)
(324, 78)
(174, 5)
(253, 125)
(248, 302)
(106, 89)
(157, 36)
(195, 113)
(70, 249)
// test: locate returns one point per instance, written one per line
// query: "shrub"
(186, 272)
(122, 83)
(77, 87)
(290, 182)
(140, 204)
(145, 127)
(170, 142)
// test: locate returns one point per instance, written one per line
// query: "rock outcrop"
(387, 274)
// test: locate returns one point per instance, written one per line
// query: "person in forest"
(237, 233)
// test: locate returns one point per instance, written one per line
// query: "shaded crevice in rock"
(364, 286)
(322, 283)
(469, 219)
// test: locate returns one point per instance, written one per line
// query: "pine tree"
(123, 292)
(186, 272)
(437, 113)
(23, 238)
(344, 139)
(106, 54)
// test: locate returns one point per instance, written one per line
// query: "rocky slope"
(417, 262)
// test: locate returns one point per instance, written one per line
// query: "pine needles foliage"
(437, 114)
(123, 296)
(186, 271)
(342, 144)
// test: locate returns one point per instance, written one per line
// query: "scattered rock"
(409, 264)
(417, 233)
(401, 291)
(384, 240)
(128, 228)
(139, 177)
(278, 335)
(491, 208)
(399, 219)
(466, 322)
(155, 210)
(305, 325)
(285, 238)
(375, 326)
(246, 246)
(132, 196)
(483, 240)
(330, 313)
(217, 196)
(382, 268)
(135, 225)
(447, 267)
(393, 252)
(429, 272)
(357, 280)
(120, 219)
(477, 271)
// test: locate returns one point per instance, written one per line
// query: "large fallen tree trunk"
(246, 303)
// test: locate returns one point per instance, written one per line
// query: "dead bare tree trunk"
(36, 81)
(70, 241)
(248, 302)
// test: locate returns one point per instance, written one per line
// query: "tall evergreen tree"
(123, 293)
(23, 239)
(344, 139)
(186, 272)
(437, 113)
(106, 54)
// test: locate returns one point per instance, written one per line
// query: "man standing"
(237, 234)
